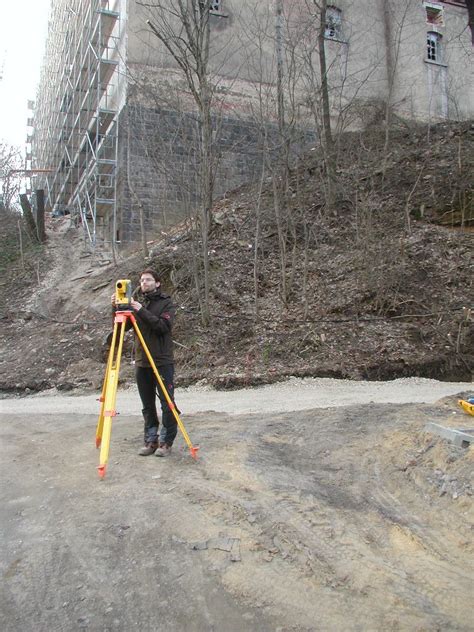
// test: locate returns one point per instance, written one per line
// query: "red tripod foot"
(193, 451)
(101, 470)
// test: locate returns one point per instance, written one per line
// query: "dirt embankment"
(378, 288)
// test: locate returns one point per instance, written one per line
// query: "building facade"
(116, 125)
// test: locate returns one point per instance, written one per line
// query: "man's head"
(149, 280)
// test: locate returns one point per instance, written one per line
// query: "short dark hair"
(153, 273)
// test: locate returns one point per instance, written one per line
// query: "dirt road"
(291, 395)
(331, 512)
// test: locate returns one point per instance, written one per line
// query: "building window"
(215, 6)
(433, 47)
(333, 28)
(434, 14)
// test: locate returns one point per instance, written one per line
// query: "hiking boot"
(148, 448)
(163, 450)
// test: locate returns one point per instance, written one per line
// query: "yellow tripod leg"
(100, 422)
(110, 395)
(193, 449)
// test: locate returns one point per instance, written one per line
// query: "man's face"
(148, 283)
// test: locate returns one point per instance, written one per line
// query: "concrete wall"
(243, 51)
(381, 45)
(437, 90)
(159, 160)
(382, 54)
(244, 22)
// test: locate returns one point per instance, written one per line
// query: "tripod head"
(123, 294)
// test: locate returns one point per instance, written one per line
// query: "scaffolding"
(75, 121)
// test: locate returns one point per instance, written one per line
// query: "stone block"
(461, 438)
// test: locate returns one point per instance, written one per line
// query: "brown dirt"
(350, 518)
(380, 300)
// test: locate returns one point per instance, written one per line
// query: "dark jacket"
(155, 321)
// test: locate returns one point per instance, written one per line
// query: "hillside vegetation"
(378, 287)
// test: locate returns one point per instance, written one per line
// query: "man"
(155, 313)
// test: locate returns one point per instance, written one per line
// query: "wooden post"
(40, 215)
(28, 215)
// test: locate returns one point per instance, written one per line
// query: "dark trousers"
(147, 389)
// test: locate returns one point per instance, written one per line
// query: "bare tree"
(328, 142)
(306, 39)
(183, 29)
(18, 230)
(10, 166)
(273, 85)
(135, 196)
(393, 22)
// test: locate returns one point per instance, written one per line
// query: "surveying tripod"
(108, 396)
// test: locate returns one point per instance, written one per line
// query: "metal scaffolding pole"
(75, 119)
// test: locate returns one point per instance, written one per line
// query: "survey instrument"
(124, 315)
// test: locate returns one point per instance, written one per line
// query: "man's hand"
(136, 305)
(113, 300)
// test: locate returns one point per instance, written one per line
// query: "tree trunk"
(279, 59)
(141, 212)
(257, 238)
(28, 215)
(206, 193)
(40, 215)
(207, 151)
(328, 142)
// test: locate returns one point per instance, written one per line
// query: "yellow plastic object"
(123, 293)
(466, 406)
(109, 390)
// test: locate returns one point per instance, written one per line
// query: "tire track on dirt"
(419, 539)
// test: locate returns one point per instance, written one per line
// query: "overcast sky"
(23, 29)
